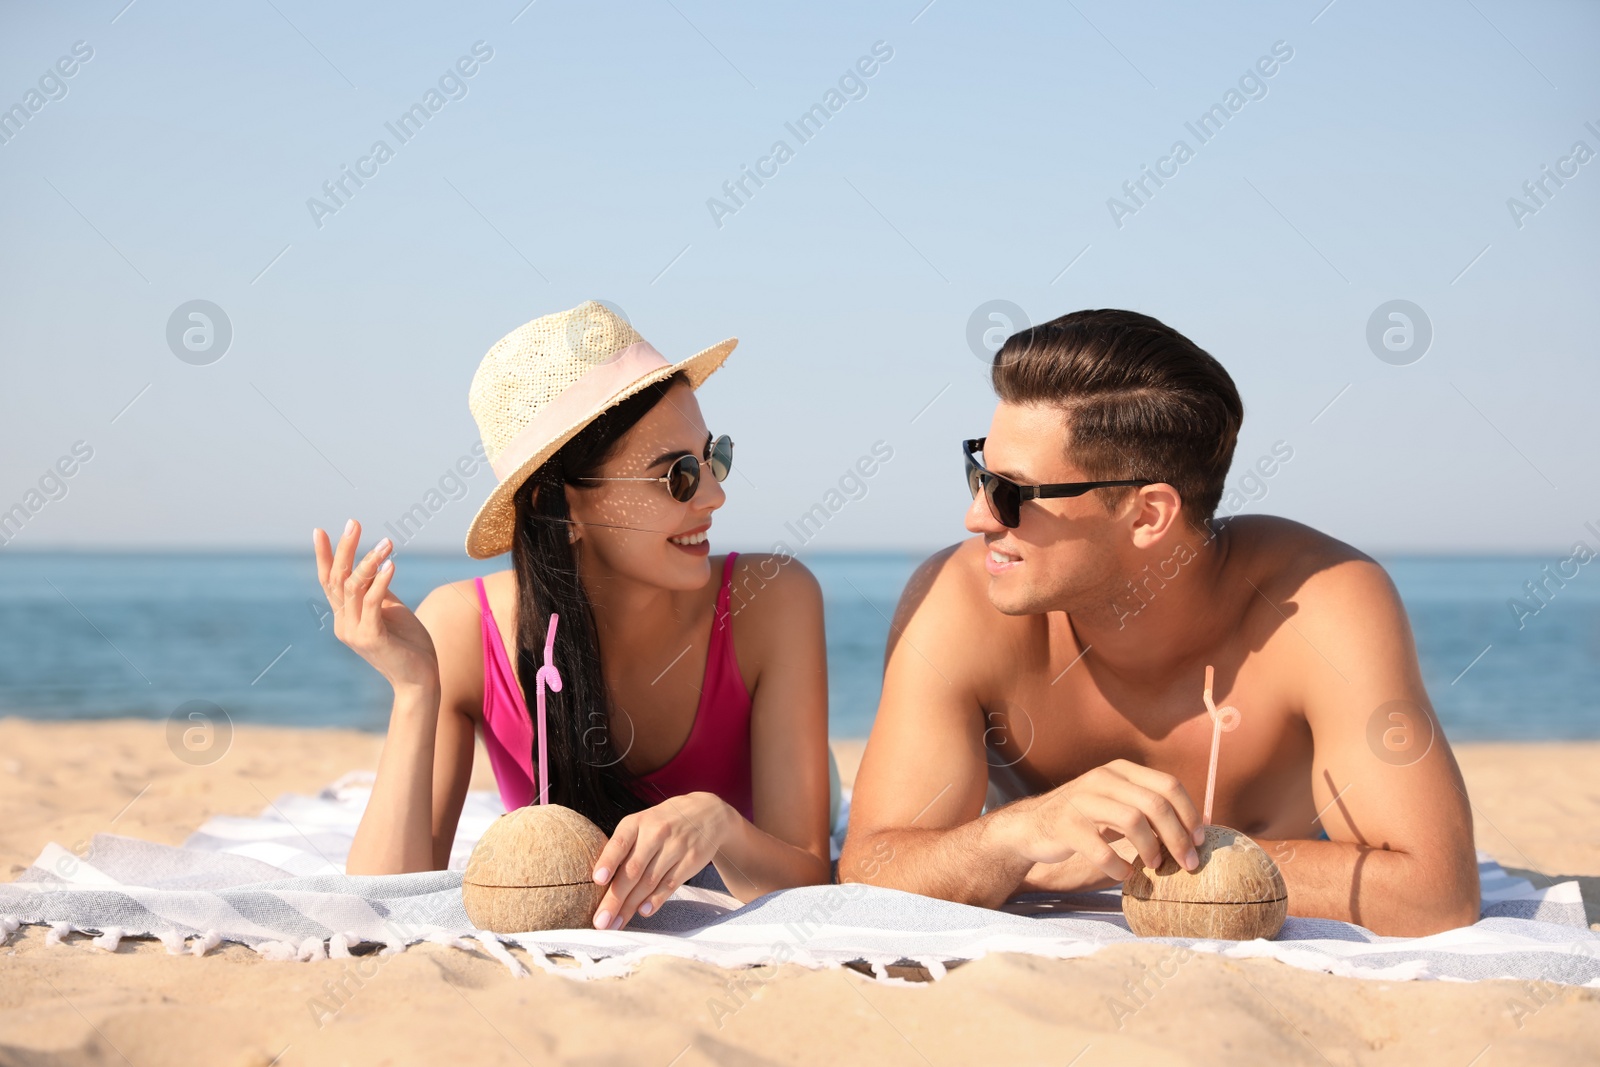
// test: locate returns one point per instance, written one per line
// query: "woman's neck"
(629, 614)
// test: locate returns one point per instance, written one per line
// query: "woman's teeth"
(689, 539)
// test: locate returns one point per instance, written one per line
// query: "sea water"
(101, 635)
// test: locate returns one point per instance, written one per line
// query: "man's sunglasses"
(1005, 496)
(683, 477)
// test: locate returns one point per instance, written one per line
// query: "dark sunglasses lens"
(1001, 495)
(1004, 504)
(721, 457)
(683, 479)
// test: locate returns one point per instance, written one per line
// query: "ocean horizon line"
(280, 552)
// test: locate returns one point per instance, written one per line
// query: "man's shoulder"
(953, 578)
(945, 604)
(1288, 560)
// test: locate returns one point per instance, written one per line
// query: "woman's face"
(635, 529)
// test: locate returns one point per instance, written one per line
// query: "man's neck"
(1167, 611)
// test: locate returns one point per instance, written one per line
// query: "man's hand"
(1150, 809)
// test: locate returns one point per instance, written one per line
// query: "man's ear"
(1155, 511)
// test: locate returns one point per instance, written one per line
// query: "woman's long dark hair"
(586, 771)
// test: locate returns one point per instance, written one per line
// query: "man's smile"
(1000, 560)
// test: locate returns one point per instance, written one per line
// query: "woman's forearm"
(396, 831)
(753, 862)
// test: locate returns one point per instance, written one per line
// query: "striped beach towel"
(276, 883)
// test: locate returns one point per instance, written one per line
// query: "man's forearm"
(970, 864)
(1390, 893)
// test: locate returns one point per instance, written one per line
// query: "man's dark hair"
(1140, 400)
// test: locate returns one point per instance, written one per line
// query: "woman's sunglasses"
(1005, 496)
(683, 477)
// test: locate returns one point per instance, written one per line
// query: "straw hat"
(546, 380)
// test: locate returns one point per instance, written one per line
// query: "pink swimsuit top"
(714, 759)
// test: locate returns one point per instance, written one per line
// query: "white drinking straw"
(1222, 719)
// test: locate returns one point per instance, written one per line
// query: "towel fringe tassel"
(448, 940)
(277, 951)
(494, 948)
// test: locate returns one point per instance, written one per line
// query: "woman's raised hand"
(369, 618)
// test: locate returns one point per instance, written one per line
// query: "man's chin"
(1009, 596)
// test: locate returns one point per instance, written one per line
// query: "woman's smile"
(696, 542)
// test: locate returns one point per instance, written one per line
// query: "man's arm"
(914, 814)
(1400, 859)
(923, 777)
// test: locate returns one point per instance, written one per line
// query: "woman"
(691, 725)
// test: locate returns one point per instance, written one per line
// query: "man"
(1062, 652)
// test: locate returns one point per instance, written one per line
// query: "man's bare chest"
(1041, 736)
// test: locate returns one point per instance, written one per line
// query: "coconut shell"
(1235, 894)
(533, 869)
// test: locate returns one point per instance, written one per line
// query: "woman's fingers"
(324, 553)
(616, 849)
(372, 602)
(344, 554)
(608, 869)
(356, 586)
(334, 560)
(666, 887)
(646, 884)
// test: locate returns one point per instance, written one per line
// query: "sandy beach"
(1537, 811)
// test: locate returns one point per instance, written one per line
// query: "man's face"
(1062, 554)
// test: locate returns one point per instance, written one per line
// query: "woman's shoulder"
(765, 586)
(452, 611)
(455, 622)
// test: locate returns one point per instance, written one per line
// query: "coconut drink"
(1235, 892)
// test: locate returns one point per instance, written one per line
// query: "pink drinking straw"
(1222, 719)
(547, 675)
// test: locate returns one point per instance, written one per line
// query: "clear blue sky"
(975, 163)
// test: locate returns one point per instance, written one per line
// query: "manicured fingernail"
(1200, 836)
(349, 524)
(385, 565)
(618, 924)
(646, 908)
(385, 545)
(602, 920)
(601, 875)
(1191, 860)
